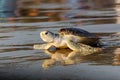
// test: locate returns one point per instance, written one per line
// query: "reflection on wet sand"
(67, 57)
(116, 60)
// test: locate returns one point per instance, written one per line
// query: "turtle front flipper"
(82, 48)
(43, 46)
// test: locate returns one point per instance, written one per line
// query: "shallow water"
(21, 23)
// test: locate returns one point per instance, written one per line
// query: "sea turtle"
(66, 36)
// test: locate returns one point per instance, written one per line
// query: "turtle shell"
(84, 36)
(77, 32)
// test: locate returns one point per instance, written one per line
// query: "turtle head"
(47, 36)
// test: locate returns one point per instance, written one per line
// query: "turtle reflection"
(67, 57)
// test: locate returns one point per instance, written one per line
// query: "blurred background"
(59, 10)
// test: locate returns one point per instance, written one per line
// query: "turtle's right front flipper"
(43, 46)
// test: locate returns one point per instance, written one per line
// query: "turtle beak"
(43, 35)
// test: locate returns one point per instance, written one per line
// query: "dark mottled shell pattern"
(77, 32)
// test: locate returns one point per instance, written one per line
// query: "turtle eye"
(46, 33)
